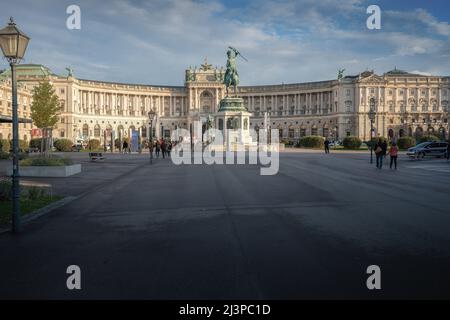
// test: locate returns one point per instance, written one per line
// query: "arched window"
(302, 131)
(419, 132)
(206, 101)
(97, 131)
(291, 133)
(85, 130)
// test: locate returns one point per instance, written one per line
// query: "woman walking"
(393, 153)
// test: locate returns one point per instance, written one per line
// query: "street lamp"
(372, 118)
(151, 118)
(13, 43)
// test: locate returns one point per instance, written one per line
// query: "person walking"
(327, 146)
(157, 148)
(384, 151)
(125, 146)
(378, 153)
(169, 148)
(393, 153)
(163, 148)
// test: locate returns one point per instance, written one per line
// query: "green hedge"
(311, 142)
(93, 144)
(45, 161)
(352, 143)
(427, 138)
(406, 142)
(36, 143)
(63, 145)
(5, 145)
(4, 155)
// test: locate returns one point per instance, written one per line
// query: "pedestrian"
(150, 148)
(393, 153)
(169, 148)
(327, 146)
(448, 149)
(378, 153)
(157, 148)
(163, 148)
(125, 146)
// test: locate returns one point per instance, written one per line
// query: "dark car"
(77, 148)
(428, 149)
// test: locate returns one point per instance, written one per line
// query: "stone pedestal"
(233, 120)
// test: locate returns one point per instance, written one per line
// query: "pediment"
(373, 78)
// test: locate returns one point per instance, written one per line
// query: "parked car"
(428, 149)
(335, 144)
(77, 147)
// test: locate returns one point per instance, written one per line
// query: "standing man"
(327, 146)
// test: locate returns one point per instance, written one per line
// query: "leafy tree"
(45, 109)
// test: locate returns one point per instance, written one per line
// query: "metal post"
(150, 145)
(371, 146)
(16, 186)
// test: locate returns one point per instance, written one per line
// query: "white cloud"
(285, 41)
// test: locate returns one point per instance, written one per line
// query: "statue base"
(233, 120)
(232, 104)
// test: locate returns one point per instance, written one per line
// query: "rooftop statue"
(341, 74)
(69, 71)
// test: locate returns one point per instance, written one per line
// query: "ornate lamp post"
(372, 115)
(151, 118)
(13, 43)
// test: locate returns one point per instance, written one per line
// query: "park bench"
(96, 156)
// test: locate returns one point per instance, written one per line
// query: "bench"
(96, 156)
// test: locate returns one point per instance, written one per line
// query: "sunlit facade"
(406, 104)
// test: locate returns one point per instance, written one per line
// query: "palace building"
(405, 104)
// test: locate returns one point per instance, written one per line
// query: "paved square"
(223, 232)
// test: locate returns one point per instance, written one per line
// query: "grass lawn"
(26, 206)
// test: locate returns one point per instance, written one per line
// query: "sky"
(154, 41)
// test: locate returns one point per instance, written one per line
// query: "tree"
(45, 110)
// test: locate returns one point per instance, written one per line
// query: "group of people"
(160, 146)
(381, 150)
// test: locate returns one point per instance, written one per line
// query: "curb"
(41, 212)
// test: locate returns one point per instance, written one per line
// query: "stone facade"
(406, 104)
(24, 97)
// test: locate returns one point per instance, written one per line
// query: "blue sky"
(154, 41)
